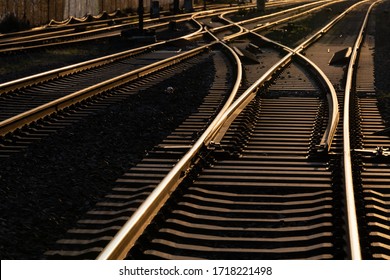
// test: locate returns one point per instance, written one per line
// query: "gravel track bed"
(19, 65)
(382, 58)
(48, 187)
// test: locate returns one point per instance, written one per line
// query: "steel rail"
(200, 29)
(32, 115)
(269, 25)
(48, 30)
(330, 131)
(331, 128)
(235, 109)
(86, 35)
(60, 72)
(353, 231)
(128, 234)
(20, 120)
(270, 15)
(63, 25)
(66, 27)
(74, 38)
(124, 240)
(325, 29)
(333, 105)
(52, 29)
(70, 69)
(34, 36)
(67, 70)
(78, 37)
(78, 67)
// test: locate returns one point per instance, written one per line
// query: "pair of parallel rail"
(127, 237)
(215, 136)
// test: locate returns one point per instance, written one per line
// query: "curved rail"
(70, 69)
(274, 23)
(334, 114)
(333, 105)
(60, 72)
(34, 114)
(348, 178)
(59, 38)
(326, 140)
(333, 111)
(332, 125)
(128, 234)
(51, 107)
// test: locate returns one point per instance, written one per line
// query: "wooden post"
(176, 6)
(260, 5)
(141, 15)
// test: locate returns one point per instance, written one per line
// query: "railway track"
(284, 200)
(86, 30)
(39, 59)
(150, 170)
(105, 26)
(78, 241)
(24, 108)
(27, 100)
(369, 154)
(266, 177)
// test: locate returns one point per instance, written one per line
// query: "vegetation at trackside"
(294, 32)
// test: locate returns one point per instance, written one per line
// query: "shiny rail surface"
(356, 253)
(76, 33)
(269, 161)
(128, 234)
(6, 126)
(134, 227)
(20, 120)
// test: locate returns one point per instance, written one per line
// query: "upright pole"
(176, 6)
(141, 15)
(261, 5)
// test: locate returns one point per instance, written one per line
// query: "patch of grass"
(296, 31)
(244, 14)
(290, 34)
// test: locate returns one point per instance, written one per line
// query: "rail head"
(30, 116)
(70, 69)
(353, 232)
(127, 236)
(330, 131)
(333, 106)
(124, 240)
(66, 70)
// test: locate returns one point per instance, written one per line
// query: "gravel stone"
(49, 186)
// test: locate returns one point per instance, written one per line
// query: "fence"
(39, 12)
